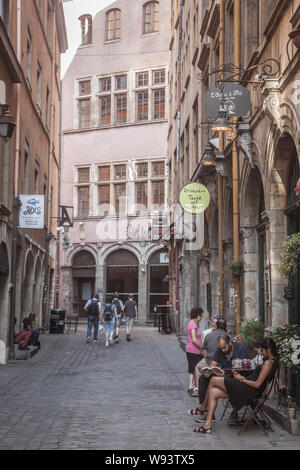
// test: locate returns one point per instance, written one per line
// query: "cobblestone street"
(74, 395)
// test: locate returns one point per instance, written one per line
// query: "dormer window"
(86, 29)
(151, 17)
(113, 24)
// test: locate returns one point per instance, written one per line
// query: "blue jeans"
(93, 320)
(34, 337)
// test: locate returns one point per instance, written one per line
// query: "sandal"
(196, 411)
(202, 430)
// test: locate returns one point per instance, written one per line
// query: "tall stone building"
(32, 38)
(114, 172)
(254, 166)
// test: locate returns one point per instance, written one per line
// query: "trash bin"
(57, 321)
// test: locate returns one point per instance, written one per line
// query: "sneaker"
(24, 348)
(116, 340)
(88, 339)
(106, 344)
(95, 341)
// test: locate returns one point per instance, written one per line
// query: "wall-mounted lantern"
(7, 123)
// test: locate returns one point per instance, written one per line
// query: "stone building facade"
(114, 172)
(32, 39)
(267, 143)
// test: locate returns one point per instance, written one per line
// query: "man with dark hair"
(120, 308)
(109, 318)
(130, 314)
(93, 309)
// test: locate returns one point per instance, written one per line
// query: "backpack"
(117, 304)
(108, 313)
(93, 308)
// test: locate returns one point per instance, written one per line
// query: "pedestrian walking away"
(130, 314)
(120, 308)
(109, 319)
(93, 309)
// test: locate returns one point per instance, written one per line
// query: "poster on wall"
(31, 211)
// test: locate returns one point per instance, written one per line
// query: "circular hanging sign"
(194, 198)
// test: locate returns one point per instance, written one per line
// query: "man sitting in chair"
(226, 352)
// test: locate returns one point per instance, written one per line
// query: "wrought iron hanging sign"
(234, 98)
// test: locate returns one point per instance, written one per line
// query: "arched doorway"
(28, 286)
(158, 269)
(293, 226)
(4, 282)
(122, 271)
(83, 274)
(37, 292)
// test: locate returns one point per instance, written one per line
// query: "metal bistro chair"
(256, 407)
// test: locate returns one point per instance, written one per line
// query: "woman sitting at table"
(239, 389)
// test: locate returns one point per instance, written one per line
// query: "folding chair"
(255, 407)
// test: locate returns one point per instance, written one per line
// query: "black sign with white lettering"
(236, 99)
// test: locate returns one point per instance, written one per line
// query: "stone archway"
(279, 189)
(255, 279)
(37, 289)
(28, 283)
(122, 273)
(83, 280)
(4, 292)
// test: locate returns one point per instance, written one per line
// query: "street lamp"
(7, 123)
(208, 157)
(221, 123)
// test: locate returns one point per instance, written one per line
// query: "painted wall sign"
(31, 211)
(194, 198)
(236, 100)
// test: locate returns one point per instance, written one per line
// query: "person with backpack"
(130, 314)
(120, 308)
(93, 309)
(109, 319)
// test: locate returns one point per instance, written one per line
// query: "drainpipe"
(235, 175)
(220, 178)
(177, 252)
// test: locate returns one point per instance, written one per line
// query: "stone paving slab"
(74, 395)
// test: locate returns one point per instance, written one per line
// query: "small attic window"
(86, 29)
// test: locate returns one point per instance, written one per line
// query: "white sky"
(73, 10)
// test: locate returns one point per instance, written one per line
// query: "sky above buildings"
(73, 9)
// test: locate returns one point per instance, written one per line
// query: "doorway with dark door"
(158, 281)
(83, 274)
(122, 271)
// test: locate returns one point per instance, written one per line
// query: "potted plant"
(284, 337)
(251, 333)
(290, 405)
(233, 269)
(290, 255)
(295, 36)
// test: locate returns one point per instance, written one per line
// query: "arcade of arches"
(121, 272)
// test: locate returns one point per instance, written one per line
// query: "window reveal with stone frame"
(159, 103)
(105, 110)
(120, 198)
(113, 25)
(142, 106)
(121, 108)
(151, 17)
(84, 113)
(158, 193)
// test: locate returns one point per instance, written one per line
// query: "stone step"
(26, 353)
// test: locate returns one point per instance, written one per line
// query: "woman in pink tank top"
(194, 349)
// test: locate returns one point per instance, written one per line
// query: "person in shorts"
(109, 319)
(130, 314)
(120, 308)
